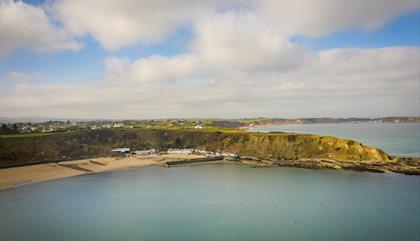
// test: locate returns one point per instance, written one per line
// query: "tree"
(178, 142)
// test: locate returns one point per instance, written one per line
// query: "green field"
(26, 135)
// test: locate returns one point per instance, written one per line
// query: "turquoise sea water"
(215, 202)
(395, 139)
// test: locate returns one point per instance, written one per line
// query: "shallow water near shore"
(215, 202)
(395, 139)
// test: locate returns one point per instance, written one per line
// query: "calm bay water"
(395, 139)
(215, 202)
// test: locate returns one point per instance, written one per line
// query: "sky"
(139, 59)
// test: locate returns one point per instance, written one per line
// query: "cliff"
(280, 146)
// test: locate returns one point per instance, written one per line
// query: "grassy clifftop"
(262, 145)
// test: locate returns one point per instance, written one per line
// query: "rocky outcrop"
(397, 165)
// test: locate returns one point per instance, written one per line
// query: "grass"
(24, 135)
(184, 128)
(28, 135)
(156, 127)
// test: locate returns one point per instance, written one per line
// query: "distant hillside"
(94, 143)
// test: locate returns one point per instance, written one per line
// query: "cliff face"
(262, 145)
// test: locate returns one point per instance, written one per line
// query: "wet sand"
(16, 176)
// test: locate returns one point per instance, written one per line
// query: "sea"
(221, 202)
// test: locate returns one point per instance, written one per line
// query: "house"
(28, 128)
(199, 127)
(202, 152)
(145, 152)
(47, 130)
(121, 150)
(179, 151)
(106, 126)
(228, 154)
(117, 125)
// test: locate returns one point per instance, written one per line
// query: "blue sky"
(401, 31)
(232, 42)
(69, 66)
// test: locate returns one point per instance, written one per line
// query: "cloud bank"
(240, 61)
(339, 82)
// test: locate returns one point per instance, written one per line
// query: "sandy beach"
(16, 176)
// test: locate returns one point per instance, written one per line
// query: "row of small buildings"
(59, 126)
(201, 152)
(186, 151)
(109, 125)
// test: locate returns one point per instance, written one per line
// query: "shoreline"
(18, 176)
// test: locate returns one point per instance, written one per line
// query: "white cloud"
(339, 82)
(155, 68)
(22, 77)
(25, 26)
(223, 42)
(116, 24)
(322, 17)
(123, 23)
(241, 41)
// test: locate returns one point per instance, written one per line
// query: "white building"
(117, 125)
(202, 152)
(145, 152)
(121, 150)
(179, 151)
(27, 129)
(47, 130)
(228, 154)
(199, 127)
